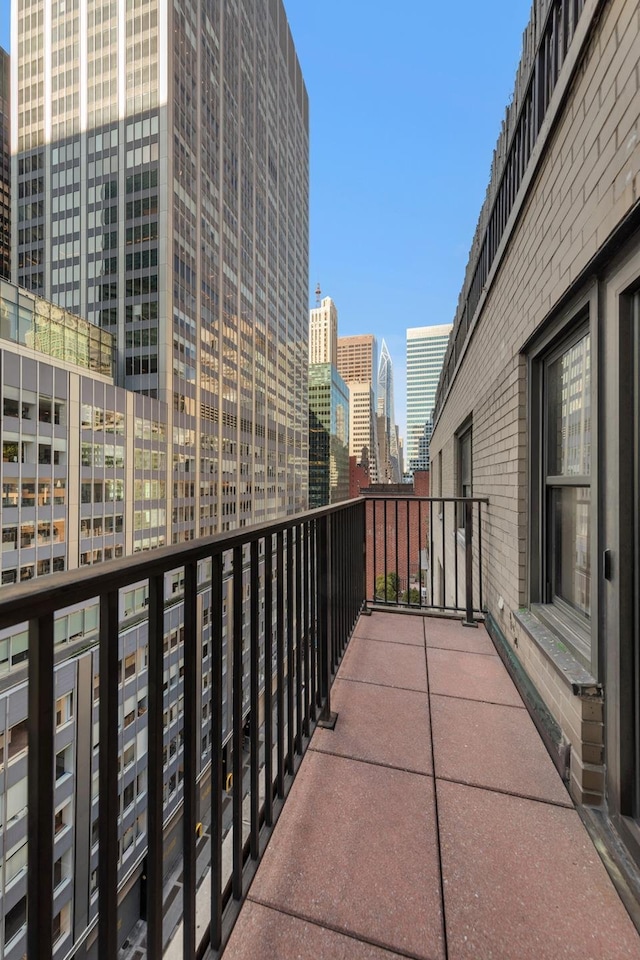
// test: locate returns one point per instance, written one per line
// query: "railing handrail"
(414, 496)
(40, 598)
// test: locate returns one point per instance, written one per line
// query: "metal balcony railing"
(282, 601)
(289, 594)
(425, 553)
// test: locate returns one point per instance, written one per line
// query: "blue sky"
(406, 105)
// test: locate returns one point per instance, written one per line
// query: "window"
(15, 920)
(16, 862)
(64, 763)
(464, 487)
(62, 819)
(561, 496)
(567, 476)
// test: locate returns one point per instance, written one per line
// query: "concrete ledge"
(552, 736)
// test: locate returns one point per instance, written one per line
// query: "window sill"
(565, 664)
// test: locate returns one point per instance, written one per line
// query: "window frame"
(576, 630)
(463, 435)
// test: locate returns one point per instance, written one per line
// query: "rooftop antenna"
(318, 294)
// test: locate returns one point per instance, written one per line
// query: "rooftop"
(431, 823)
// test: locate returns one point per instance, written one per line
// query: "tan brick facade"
(586, 181)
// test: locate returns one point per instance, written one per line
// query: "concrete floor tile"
(471, 676)
(523, 881)
(390, 664)
(378, 724)
(262, 933)
(493, 746)
(451, 635)
(356, 851)
(393, 627)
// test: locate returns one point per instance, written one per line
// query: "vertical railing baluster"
(468, 548)
(280, 658)
(444, 554)
(408, 507)
(254, 720)
(313, 642)
(420, 551)
(431, 548)
(290, 653)
(155, 766)
(217, 785)
(362, 536)
(299, 640)
(373, 505)
(456, 508)
(268, 679)
(40, 789)
(481, 606)
(191, 747)
(325, 617)
(237, 733)
(108, 779)
(397, 558)
(307, 631)
(386, 572)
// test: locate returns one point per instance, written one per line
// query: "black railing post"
(468, 557)
(108, 779)
(326, 718)
(217, 785)
(155, 772)
(40, 790)
(237, 731)
(254, 722)
(191, 746)
(268, 679)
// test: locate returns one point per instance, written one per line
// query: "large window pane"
(571, 546)
(569, 412)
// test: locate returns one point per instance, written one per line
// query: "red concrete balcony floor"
(431, 823)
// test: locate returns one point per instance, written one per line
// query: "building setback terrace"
(431, 822)
(385, 793)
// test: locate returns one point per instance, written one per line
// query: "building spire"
(318, 294)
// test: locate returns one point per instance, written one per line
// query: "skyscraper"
(358, 366)
(426, 347)
(387, 433)
(161, 190)
(328, 436)
(358, 359)
(323, 333)
(5, 166)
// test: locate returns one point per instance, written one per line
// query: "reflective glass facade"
(328, 436)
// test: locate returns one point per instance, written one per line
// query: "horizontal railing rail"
(425, 553)
(284, 599)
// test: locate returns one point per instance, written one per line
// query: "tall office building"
(358, 367)
(426, 347)
(387, 430)
(358, 359)
(328, 436)
(160, 173)
(5, 166)
(323, 333)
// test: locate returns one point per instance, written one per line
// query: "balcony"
(426, 818)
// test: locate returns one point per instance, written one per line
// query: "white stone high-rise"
(426, 347)
(323, 333)
(160, 189)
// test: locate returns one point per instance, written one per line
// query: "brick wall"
(587, 181)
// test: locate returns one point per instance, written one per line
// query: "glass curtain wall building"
(160, 173)
(5, 166)
(426, 347)
(328, 436)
